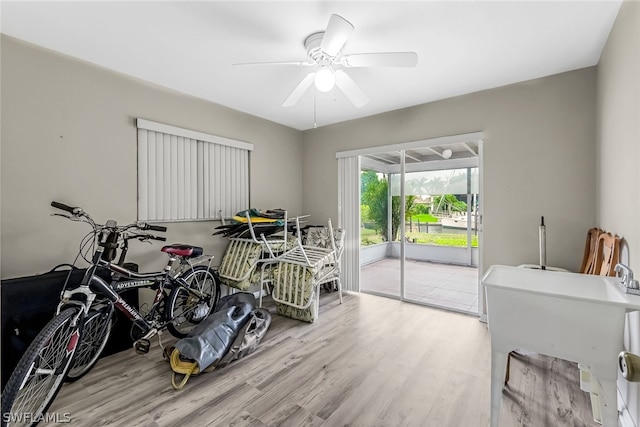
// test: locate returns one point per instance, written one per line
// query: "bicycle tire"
(185, 309)
(96, 331)
(36, 380)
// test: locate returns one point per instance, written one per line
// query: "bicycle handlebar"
(145, 226)
(109, 236)
(62, 206)
(77, 211)
(145, 237)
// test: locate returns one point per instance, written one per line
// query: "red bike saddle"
(186, 251)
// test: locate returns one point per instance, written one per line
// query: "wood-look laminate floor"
(371, 361)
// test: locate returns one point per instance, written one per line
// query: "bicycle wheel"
(193, 300)
(37, 378)
(95, 334)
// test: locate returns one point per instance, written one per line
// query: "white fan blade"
(350, 89)
(336, 35)
(299, 90)
(383, 59)
(303, 63)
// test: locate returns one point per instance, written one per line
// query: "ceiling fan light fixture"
(325, 80)
(324, 49)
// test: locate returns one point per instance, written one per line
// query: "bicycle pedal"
(142, 346)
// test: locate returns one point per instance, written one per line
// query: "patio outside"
(448, 286)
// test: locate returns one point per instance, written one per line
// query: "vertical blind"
(349, 220)
(189, 175)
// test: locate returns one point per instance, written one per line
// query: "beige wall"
(68, 134)
(539, 159)
(618, 147)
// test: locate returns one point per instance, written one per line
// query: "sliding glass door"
(419, 227)
(379, 211)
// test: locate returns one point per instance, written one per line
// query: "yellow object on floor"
(183, 367)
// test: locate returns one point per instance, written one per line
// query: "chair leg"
(261, 292)
(506, 375)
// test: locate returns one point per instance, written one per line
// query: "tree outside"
(375, 207)
(448, 204)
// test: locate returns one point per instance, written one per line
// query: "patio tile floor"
(443, 285)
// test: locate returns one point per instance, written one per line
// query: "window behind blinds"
(187, 175)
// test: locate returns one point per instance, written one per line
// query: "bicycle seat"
(186, 251)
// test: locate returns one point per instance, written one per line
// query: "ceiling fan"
(324, 51)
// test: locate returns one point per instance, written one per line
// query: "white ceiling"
(462, 47)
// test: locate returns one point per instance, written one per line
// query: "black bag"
(232, 332)
(249, 337)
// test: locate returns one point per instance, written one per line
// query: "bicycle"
(100, 321)
(68, 347)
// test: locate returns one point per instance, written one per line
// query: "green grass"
(424, 218)
(370, 237)
(455, 240)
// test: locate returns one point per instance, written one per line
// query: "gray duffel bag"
(233, 331)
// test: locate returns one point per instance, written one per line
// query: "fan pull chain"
(315, 124)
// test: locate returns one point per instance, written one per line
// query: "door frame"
(446, 164)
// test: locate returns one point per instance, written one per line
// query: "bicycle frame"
(123, 279)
